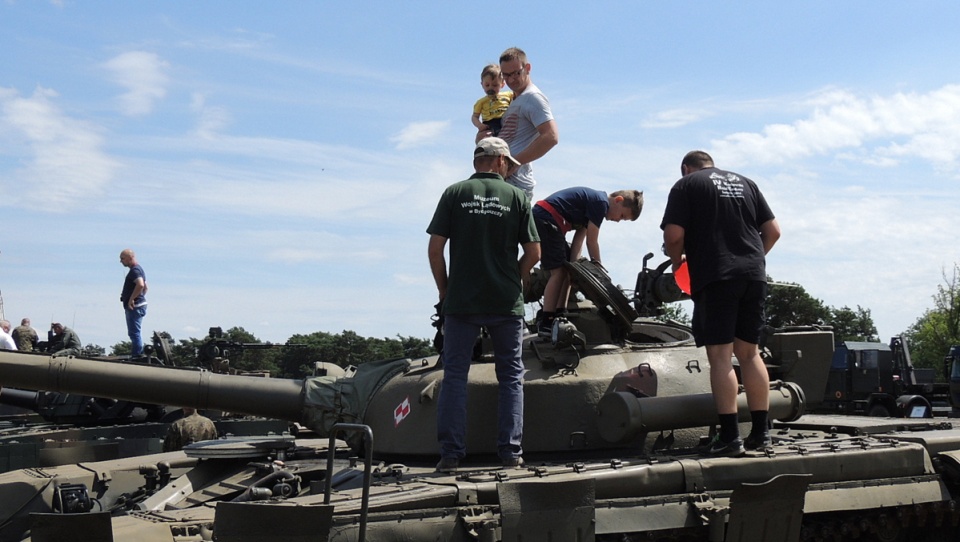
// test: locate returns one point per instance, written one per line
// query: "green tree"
(185, 352)
(853, 325)
(676, 313)
(345, 349)
(94, 350)
(250, 359)
(931, 336)
(296, 361)
(122, 348)
(230, 344)
(415, 347)
(789, 304)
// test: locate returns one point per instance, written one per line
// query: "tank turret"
(396, 397)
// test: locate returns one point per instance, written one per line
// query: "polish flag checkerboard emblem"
(401, 412)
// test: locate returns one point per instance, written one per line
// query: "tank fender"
(948, 465)
(772, 510)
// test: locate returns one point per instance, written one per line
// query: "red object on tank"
(682, 276)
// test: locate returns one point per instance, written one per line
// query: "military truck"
(951, 367)
(877, 379)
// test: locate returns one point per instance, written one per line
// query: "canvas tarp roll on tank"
(329, 400)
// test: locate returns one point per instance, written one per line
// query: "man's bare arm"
(593, 241)
(530, 257)
(139, 287)
(673, 243)
(438, 264)
(547, 138)
(769, 234)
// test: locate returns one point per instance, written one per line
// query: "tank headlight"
(566, 334)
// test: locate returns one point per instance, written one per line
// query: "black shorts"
(493, 125)
(554, 249)
(728, 309)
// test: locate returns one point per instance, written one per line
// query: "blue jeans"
(134, 319)
(460, 333)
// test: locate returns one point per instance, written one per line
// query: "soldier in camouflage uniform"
(192, 427)
(25, 336)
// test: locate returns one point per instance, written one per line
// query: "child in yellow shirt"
(488, 110)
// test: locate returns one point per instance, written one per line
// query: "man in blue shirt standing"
(134, 300)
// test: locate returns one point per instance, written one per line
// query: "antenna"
(2, 317)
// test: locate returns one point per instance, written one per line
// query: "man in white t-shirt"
(6, 341)
(528, 125)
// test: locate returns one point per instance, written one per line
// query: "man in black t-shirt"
(720, 223)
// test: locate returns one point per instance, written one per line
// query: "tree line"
(295, 358)
(788, 304)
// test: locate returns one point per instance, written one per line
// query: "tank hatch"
(240, 447)
(611, 303)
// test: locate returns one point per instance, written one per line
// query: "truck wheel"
(879, 411)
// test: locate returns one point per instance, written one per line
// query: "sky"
(274, 165)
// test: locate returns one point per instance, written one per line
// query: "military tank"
(616, 404)
(50, 428)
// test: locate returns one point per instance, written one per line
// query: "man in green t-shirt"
(486, 221)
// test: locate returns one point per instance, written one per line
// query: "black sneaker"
(512, 462)
(448, 464)
(757, 442)
(717, 448)
(545, 330)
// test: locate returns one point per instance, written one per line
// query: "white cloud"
(308, 255)
(211, 119)
(673, 118)
(418, 134)
(143, 74)
(884, 130)
(65, 163)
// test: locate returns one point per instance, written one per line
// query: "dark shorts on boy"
(728, 309)
(554, 249)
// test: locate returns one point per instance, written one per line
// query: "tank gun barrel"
(267, 397)
(27, 399)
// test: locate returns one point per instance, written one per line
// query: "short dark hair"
(483, 160)
(490, 70)
(633, 200)
(514, 53)
(697, 160)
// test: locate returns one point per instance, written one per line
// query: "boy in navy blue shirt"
(582, 210)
